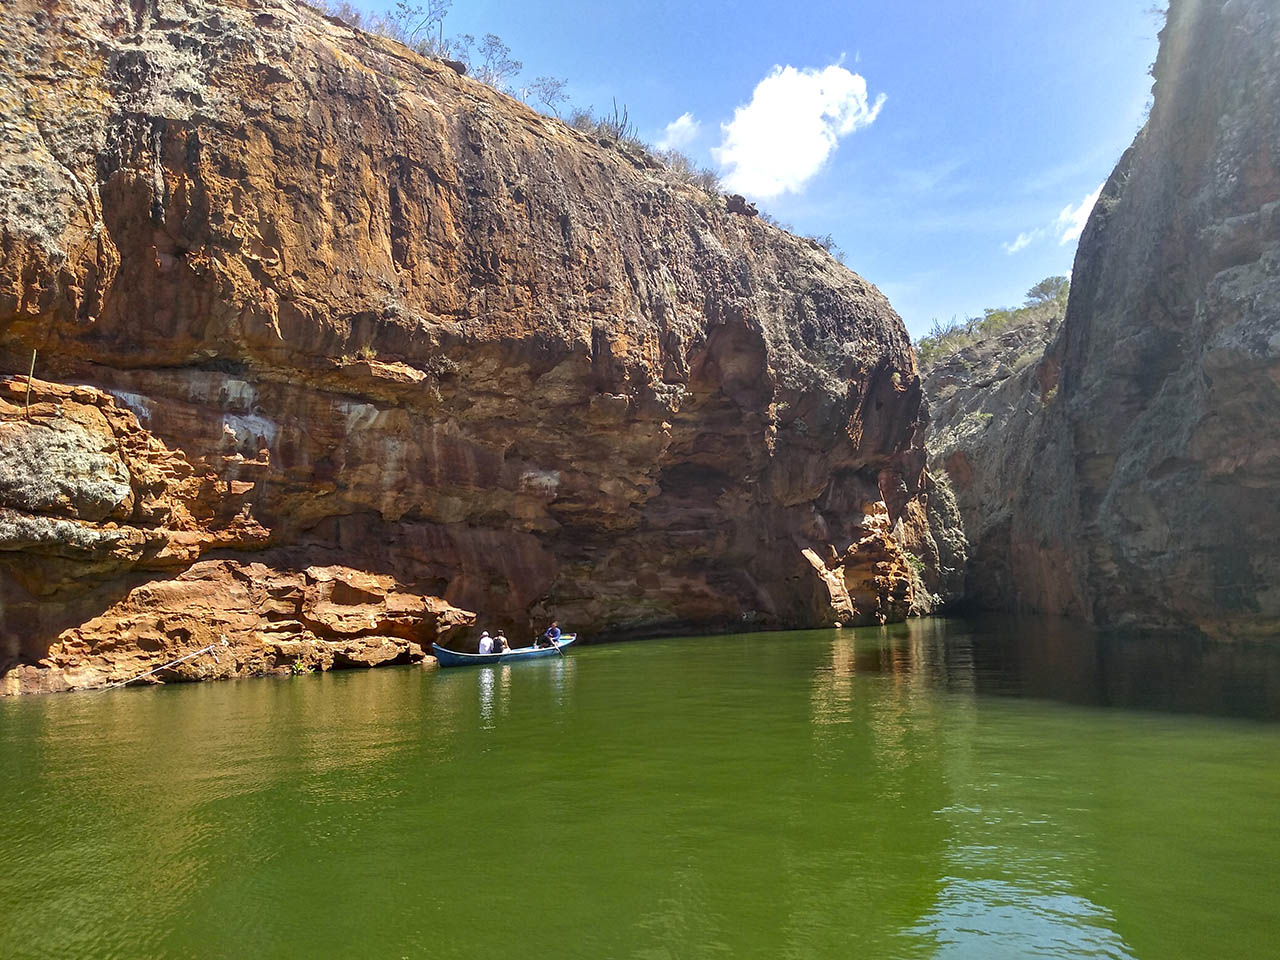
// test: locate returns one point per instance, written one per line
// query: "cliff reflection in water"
(971, 874)
(1063, 660)
(802, 794)
(1095, 832)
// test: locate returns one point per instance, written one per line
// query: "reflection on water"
(947, 789)
(1061, 660)
(486, 675)
(1015, 922)
(493, 685)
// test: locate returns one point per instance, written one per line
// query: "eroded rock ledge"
(339, 349)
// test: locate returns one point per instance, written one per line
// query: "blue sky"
(999, 121)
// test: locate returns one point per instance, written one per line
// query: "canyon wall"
(339, 352)
(986, 409)
(1130, 476)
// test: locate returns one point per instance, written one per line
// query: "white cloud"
(679, 133)
(776, 143)
(1071, 221)
(1023, 241)
(1067, 227)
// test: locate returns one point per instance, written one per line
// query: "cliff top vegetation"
(489, 60)
(1044, 301)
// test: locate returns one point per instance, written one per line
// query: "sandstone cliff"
(1130, 476)
(339, 349)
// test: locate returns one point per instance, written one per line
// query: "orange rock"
(351, 311)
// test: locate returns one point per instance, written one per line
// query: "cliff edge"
(1130, 477)
(338, 350)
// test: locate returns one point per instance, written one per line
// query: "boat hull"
(452, 658)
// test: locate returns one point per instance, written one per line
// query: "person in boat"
(500, 644)
(486, 643)
(552, 637)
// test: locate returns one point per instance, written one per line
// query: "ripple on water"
(940, 789)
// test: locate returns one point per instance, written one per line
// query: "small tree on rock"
(421, 28)
(549, 92)
(1048, 290)
(493, 63)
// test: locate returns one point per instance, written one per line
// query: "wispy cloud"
(1023, 240)
(679, 133)
(777, 143)
(1071, 221)
(936, 181)
(1067, 226)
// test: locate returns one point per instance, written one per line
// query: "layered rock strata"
(339, 350)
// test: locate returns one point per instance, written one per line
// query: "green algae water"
(982, 789)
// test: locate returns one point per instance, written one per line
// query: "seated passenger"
(500, 644)
(486, 643)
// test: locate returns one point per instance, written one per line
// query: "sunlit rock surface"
(340, 351)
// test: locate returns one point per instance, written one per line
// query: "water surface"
(982, 789)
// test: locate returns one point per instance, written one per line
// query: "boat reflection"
(495, 686)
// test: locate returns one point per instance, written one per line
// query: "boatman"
(552, 636)
(486, 643)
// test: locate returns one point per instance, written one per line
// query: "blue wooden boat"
(452, 658)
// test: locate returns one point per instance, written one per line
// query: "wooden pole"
(30, 373)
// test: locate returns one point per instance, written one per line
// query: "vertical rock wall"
(340, 350)
(1134, 480)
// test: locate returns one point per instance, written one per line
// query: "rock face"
(339, 349)
(1138, 485)
(987, 409)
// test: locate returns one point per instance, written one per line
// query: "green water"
(940, 789)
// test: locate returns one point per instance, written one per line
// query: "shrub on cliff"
(491, 61)
(827, 243)
(684, 169)
(616, 127)
(549, 91)
(1046, 301)
(421, 29)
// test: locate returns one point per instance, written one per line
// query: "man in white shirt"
(486, 643)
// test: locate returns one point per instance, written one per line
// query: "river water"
(943, 788)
